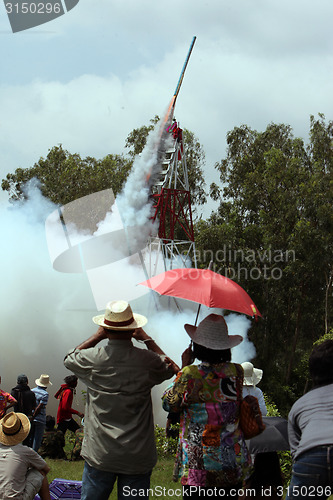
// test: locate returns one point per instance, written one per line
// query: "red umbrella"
(205, 287)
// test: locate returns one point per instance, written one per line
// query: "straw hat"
(14, 428)
(252, 376)
(43, 380)
(212, 332)
(119, 316)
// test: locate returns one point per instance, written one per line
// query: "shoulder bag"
(250, 419)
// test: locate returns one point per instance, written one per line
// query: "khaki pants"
(34, 481)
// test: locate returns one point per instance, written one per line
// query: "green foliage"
(65, 177)
(137, 139)
(272, 409)
(195, 161)
(166, 447)
(327, 336)
(286, 466)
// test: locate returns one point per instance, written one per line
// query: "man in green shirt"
(119, 441)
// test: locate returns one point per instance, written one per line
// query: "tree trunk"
(296, 335)
(327, 291)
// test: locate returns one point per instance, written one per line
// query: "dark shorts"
(71, 425)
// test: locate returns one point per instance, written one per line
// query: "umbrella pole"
(196, 319)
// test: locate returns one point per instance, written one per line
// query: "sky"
(88, 78)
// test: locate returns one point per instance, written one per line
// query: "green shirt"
(118, 422)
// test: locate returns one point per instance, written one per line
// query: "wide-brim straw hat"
(119, 316)
(252, 376)
(14, 428)
(212, 333)
(43, 380)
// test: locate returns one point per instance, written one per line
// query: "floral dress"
(5, 398)
(211, 450)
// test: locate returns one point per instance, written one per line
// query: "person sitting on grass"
(53, 441)
(23, 473)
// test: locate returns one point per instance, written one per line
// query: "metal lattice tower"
(172, 200)
(172, 208)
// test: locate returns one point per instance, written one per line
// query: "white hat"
(212, 333)
(119, 316)
(252, 376)
(43, 381)
(14, 428)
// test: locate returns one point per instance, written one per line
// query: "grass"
(161, 476)
(161, 483)
(161, 480)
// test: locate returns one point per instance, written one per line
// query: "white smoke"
(38, 325)
(46, 313)
(133, 204)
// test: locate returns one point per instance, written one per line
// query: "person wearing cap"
(252, 377)
(39, 418)
(23, 473)
(212, 457)
(119, 443)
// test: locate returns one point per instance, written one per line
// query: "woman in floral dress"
(212, 454)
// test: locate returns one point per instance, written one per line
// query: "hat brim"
(37, 382)
(231, 341)
(255, 379)
(139, 322)
(20, 436)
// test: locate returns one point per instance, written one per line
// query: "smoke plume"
(45, 313)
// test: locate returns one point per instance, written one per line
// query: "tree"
(274, 225)
(64, 176)
(136, 140)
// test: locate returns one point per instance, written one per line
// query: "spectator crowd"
(119, 365)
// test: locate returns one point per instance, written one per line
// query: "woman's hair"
(211, 355)
(266, 472)
(71, 380)
(50, 422)
(321, 363)
(22, 379)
